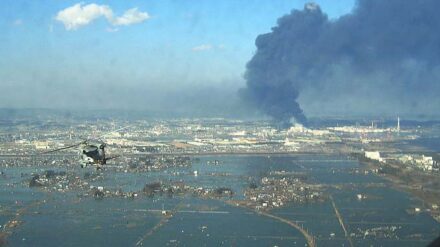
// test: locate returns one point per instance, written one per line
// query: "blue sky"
(181, 44)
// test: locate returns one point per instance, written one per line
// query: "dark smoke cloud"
(384, 57)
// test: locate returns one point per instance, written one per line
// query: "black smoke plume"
(382, 57)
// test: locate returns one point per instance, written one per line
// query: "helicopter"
(90, 153)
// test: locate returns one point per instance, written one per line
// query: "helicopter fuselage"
(92, 155)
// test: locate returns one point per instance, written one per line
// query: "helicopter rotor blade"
(112, 157)
(63, 148)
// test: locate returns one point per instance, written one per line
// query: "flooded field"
(359, 209)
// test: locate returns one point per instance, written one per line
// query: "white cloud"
(80, 15)
(131, 16)
(207, 47)
(203, 47)
(112, 30)
(17, 22)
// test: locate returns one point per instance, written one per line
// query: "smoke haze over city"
(381, 58)
(349, 58)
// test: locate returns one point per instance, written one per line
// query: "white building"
(374, 155)
(420, 161)
(41, 145)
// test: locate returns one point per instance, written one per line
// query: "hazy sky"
(121, 54)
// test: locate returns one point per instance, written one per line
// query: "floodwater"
(66, 219)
